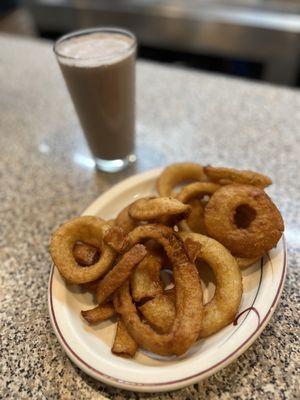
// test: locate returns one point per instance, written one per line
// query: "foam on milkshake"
(94, 49)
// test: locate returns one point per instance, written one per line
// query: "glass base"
(114, 165)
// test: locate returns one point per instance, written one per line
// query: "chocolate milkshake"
(99, 69)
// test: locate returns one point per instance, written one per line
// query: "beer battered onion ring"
(177, 173)
(189, 309)
(195, 221)
(244, 219)
(160, 312)
(197, 190)
(155, 208)
(192, 194)
(221, 310)
(124, 221)
(85, 254)
(230, 175)
(243, 263)
(86, 229)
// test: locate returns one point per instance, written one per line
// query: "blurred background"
(255, 39)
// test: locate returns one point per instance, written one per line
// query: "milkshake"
(98, 66)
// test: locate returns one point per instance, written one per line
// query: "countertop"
(47, 176)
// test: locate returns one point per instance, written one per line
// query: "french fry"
(99, 313)
(124, 345)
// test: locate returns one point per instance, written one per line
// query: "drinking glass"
(98, 66)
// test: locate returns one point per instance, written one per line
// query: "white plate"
(89, 347)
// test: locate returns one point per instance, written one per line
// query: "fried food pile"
(222, 218)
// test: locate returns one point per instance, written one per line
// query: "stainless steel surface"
(261, 31)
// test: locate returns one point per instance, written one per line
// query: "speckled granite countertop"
(47, 177)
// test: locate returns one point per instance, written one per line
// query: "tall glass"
(98, 66)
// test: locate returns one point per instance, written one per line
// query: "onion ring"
(145, 280)
(124, 345)
(193, 194)
(159, 312)
(195, 221)
(85, 254)
(188, 318)
(246, 262)
(124, 221)
(230, 175)
(87, 229)
(155, 208)
(115, 237)
(174, 174)
(120, 272)
(99, 313)
(221, 310)
(197, 190)
(244, 219)
(91, 286)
